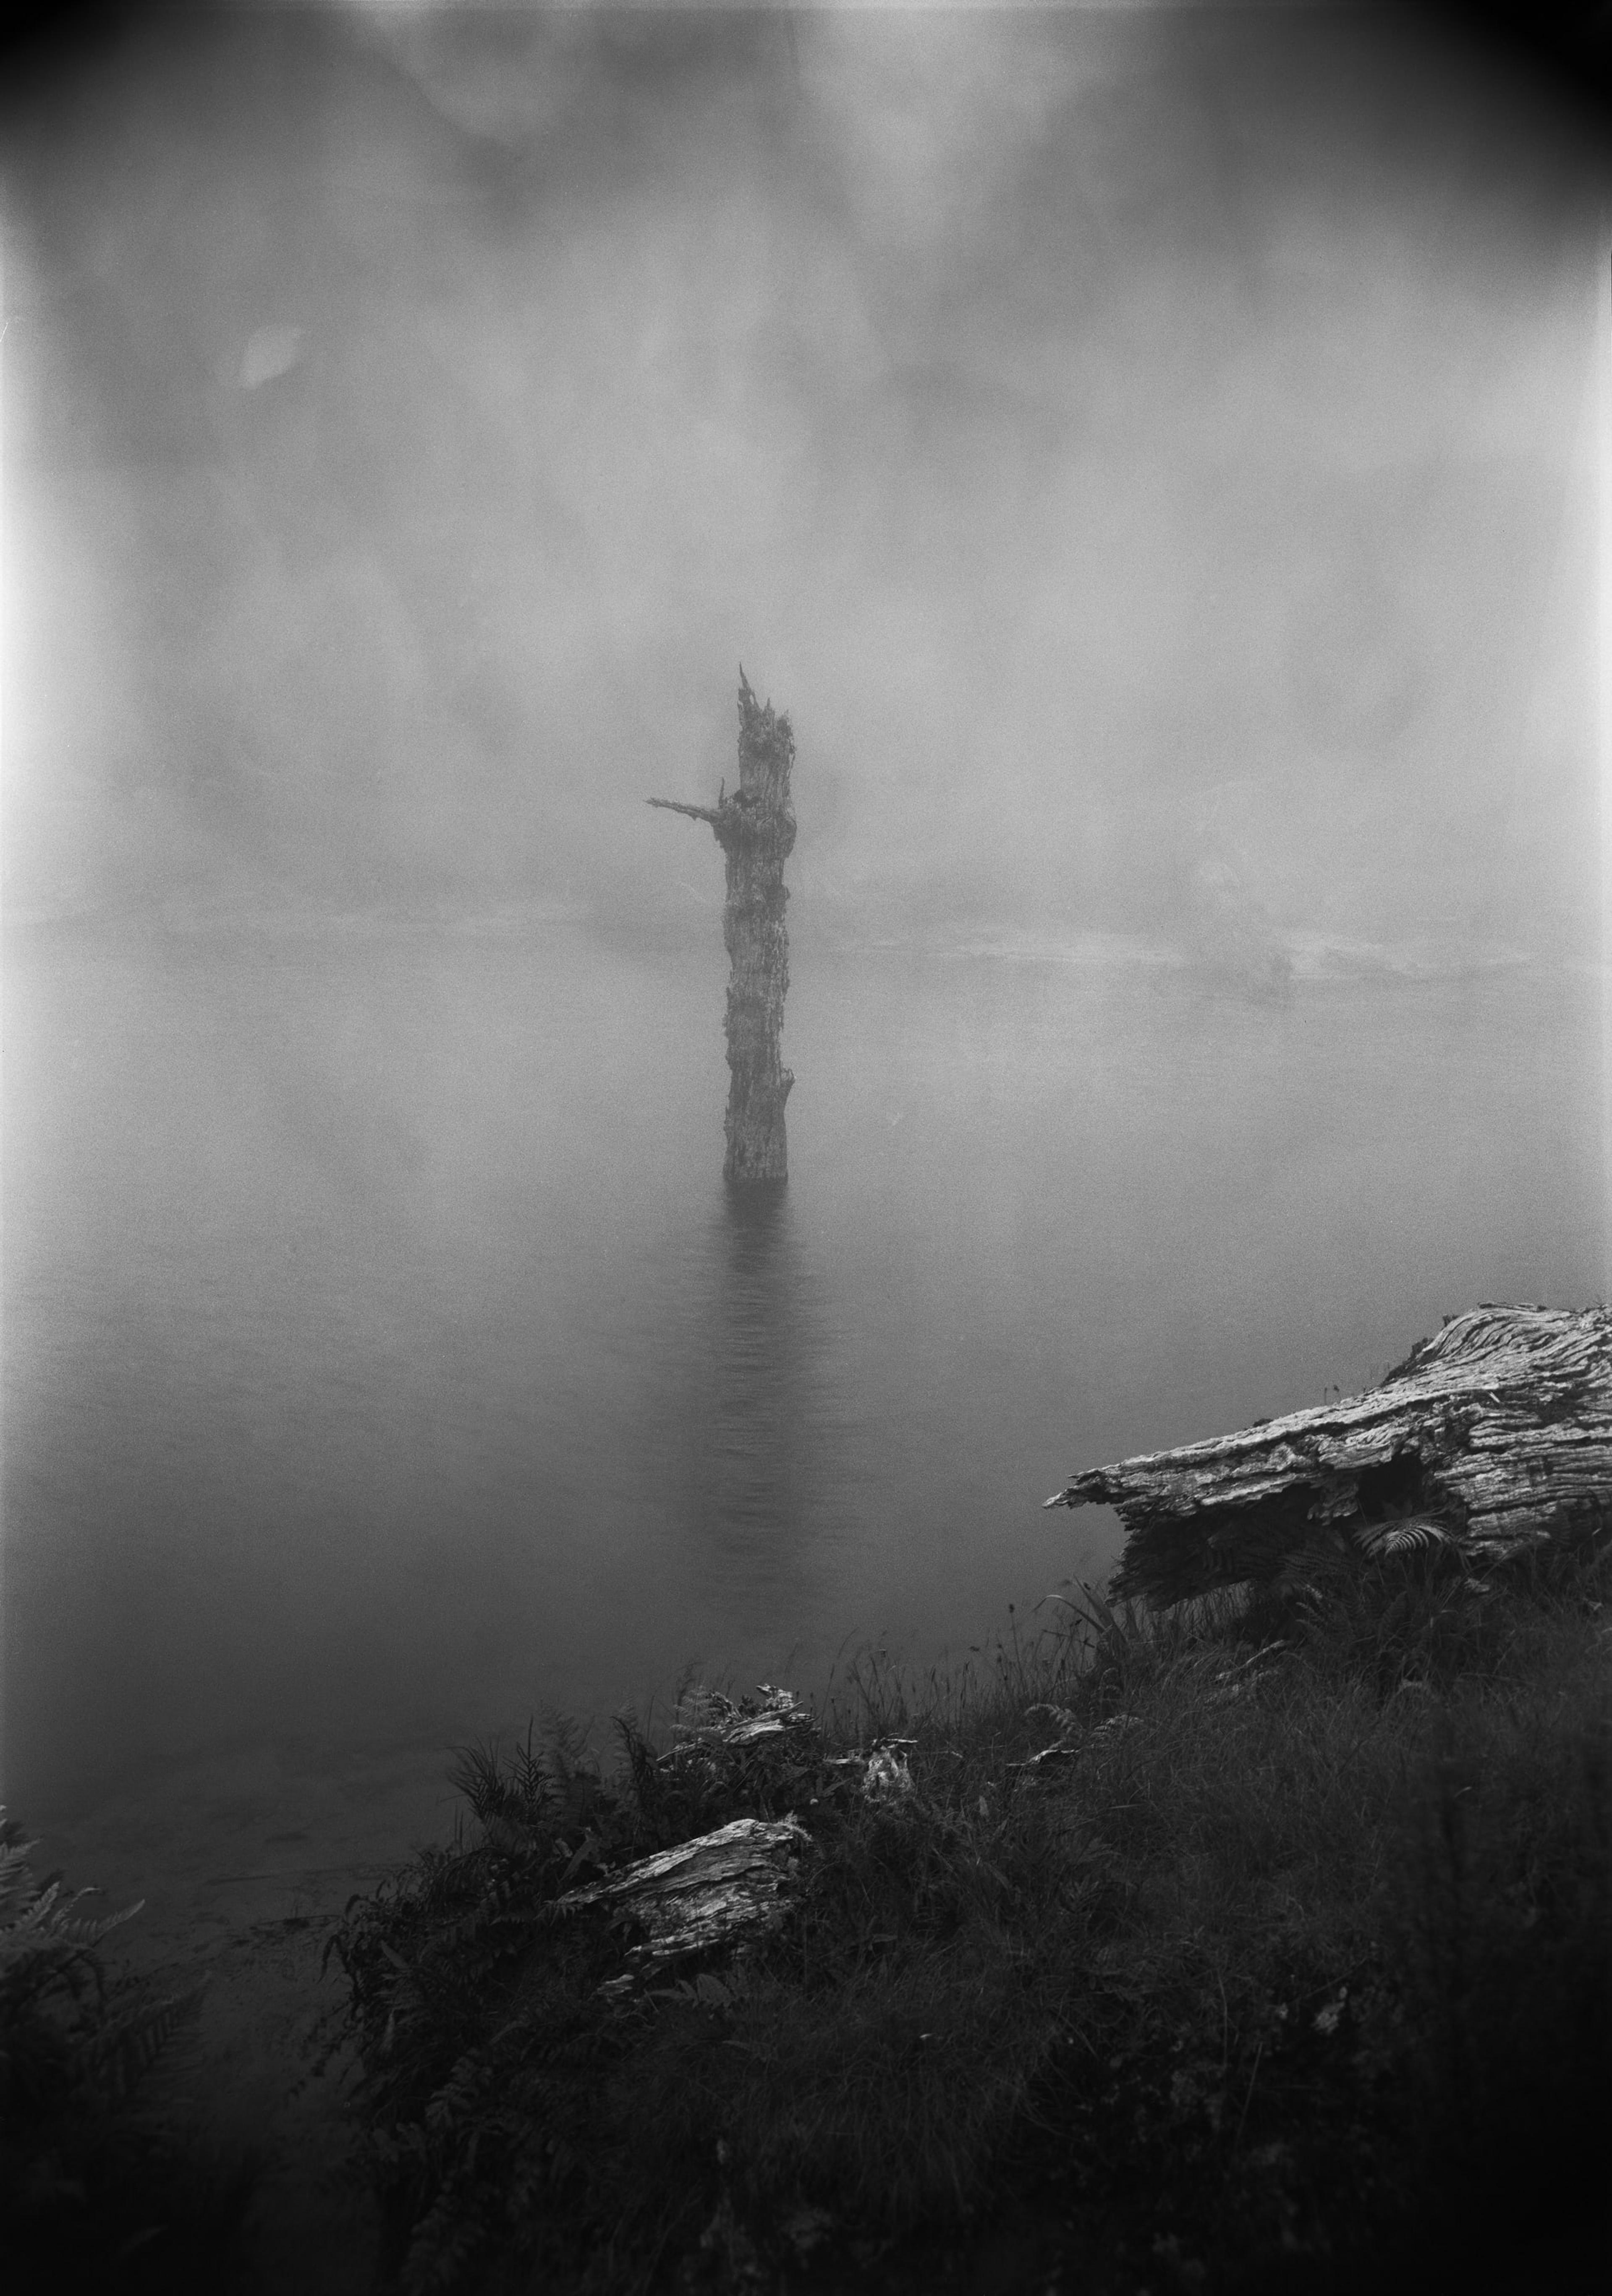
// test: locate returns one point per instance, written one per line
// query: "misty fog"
(1152, 456)
(414, 418)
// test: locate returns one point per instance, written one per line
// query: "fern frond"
(129, 2044)
(37, 1911)
(1403, 1534)
(445, 2240)
(32, 1911)
(467, 2082)
(18, 1887)
(86, 1933)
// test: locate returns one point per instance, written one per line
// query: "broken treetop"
(761, 802)
(1496, 1434)
(766, 752)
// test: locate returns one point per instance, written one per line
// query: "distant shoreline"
(1311, 958)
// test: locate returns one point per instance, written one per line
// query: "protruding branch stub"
(713, 813)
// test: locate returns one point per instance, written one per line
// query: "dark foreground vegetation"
(107, 2181)
(1286, 1965)
(1251, 1949)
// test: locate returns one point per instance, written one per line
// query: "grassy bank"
(1286, 1966)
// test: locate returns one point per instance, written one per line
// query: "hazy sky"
(1116, 437)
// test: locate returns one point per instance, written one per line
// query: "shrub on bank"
(1228, 1949)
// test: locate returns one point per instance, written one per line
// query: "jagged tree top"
(767, 746)
(766, 752)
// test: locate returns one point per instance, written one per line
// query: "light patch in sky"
(270, 352)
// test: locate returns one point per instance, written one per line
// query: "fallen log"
(1494, 1438)
(722, 1888)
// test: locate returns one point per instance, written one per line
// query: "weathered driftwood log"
(719, 1889)
(710, 1719)
(755, 830)
(1494, 1437)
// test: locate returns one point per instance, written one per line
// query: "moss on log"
(1494, 1438)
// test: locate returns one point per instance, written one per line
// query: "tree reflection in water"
(770, 1449)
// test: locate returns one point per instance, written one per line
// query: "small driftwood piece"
(719, 1889)
(708, 1719)
(1494, 1438)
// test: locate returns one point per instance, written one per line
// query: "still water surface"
(384, 1360)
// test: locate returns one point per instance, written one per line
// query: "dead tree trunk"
(1494, 1438)
(755, 830)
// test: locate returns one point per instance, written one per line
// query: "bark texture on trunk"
(754, 827)
(1494, 1438)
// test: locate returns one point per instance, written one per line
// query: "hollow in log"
(1494, 1438)
(754, 827)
